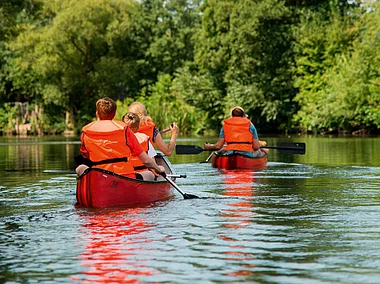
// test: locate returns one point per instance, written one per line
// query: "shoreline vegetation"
(297, 67)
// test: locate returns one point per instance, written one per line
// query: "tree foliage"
(335, 57)
(165, 105)
(76, 56)
(293, 65)
(243, 56)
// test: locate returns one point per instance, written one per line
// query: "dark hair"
(238, 112)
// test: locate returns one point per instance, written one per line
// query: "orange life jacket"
(237, 134)
(105, 140)
(147, 128)
(144, 142)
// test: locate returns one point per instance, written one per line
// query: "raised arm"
(167, 149)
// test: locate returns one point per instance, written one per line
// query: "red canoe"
(237, 161)
(101, 188)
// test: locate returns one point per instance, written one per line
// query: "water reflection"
(38, 154)
(113, 237)
(237, 216)
(239, 184)
(305, 219)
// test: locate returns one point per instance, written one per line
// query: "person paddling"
(238, 135)
(110, 144)
(148, 127)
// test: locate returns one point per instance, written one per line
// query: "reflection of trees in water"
(38, 154)
(111, 242)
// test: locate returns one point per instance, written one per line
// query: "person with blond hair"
(148, 127)
(132, 120)
(238, 135)
(109, 144)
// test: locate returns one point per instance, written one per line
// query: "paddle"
(189, 149)
(59, 172)
(208, 158)
(164, 130)
(185, 195)
(298, 148)
(73, 172)
(284, 147)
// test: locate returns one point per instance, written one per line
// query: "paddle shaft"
(208, 158)
(174, 185)
(279, 148)
(59, 172)
(73, 172)
(185, 195)
(164, 130)
(284, 147)
(289, 148)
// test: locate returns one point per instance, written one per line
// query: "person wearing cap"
(238, 135)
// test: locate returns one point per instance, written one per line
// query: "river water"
(303, 219)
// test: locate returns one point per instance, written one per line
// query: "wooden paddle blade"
(298, 148)
(188, 149)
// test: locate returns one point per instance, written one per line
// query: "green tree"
(243, 56)
(199, 90)
(165, 31)
(79, 54)
(165, 105)
(321, 43)
(356, 81)
(14, 16)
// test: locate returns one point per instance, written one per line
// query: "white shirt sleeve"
(151, 151)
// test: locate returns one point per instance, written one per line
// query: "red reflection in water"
(239, 184)
(239, 215)
(111, 237)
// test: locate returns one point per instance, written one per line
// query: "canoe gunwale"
(120, 176)
(102, 188)
(221, 154)
(159, 157)
(238, 161)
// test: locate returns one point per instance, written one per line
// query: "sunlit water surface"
(307, 219)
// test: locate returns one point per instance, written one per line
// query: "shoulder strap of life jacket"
(80, 160)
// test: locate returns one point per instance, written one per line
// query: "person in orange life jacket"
(110, 143)
(238, 135)
(132, 120)
(148, 127)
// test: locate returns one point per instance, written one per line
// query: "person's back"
(237, 134)
(113, 140)
(104, 141)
